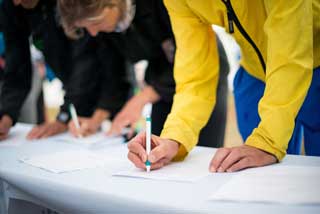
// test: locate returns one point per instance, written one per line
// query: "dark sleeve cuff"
(64, 115)
(112, 107)
(159, 75)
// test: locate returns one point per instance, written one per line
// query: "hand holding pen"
(162, 151)
(75, 120)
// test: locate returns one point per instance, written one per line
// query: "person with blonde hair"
(141, 30)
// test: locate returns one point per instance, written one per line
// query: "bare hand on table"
(88, 126)
(5, 125)
(46, 130)
(238, 158)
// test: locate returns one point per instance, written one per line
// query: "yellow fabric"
(283, 31)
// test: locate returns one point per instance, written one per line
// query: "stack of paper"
(273, 184)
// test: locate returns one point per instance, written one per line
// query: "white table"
(97, 191)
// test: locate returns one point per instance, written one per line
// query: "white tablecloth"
(97, 191)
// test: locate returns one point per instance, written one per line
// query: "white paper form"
(100, 137)
(273, 184)
(67, 161)
(17, 135)
(193, 168)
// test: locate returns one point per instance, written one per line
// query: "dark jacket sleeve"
(18, 69)
(115, 85)
(81, 83)
(97, 78)
(162, 20)
(159, 73)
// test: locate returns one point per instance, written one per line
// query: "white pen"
(148, 141)
(74, 117)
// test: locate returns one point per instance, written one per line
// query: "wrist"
(149, 95)
(61, 123)
(174, 144)
(99, 116)
(63, 117)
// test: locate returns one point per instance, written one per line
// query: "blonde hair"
(71, 11)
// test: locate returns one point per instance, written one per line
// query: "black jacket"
(110, 88)
(142, 40)
(74, 62)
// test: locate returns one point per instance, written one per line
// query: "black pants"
(212, 135)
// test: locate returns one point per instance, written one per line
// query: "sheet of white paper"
(193, 168)
(68, 161)
(17, 135)
(87, 141)
(273, 184)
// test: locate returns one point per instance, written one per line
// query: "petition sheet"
(91, 140)
(273, 184)
(193, 168)
(112, 157)
(65, 161)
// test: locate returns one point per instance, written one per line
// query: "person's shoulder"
(180, 6)
(143, 7)
(50, 5)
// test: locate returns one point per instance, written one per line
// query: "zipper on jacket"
(232, 18)
(230, 22)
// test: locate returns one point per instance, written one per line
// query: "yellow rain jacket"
(280, 44)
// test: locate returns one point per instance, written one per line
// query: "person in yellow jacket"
(279, 75)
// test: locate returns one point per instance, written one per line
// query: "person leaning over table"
(73, 63)
(276, 87)
(110, 92)
(132, 28)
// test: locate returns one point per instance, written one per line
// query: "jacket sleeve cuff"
(258, 142)
(63, 117)
(182, 138)
(182, 154)
(113, 110)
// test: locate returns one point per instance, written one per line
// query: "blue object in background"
(2, 47)
(49, 73)
(248, 91)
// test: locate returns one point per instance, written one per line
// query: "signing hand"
(47, 130)
(5, 125)
(88, 126)
(241, 157)
(163, 151)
